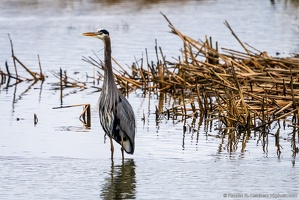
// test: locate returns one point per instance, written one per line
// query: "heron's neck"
(108, 77)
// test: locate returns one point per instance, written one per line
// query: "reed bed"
(244, 90)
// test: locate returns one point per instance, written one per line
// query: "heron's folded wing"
(127, 118)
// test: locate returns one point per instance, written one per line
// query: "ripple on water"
(59, 159)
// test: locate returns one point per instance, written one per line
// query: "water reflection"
(7, 82)
(121, 182)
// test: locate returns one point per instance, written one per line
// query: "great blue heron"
(116, 114)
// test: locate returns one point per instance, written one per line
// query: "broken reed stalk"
(8, 74)
(85, 116)
(13, 55)
(35, 76)
(29, 71)
(61, 86)
(233, 33)
(35, 120)
(41, 75)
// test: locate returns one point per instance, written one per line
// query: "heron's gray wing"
(126, 118)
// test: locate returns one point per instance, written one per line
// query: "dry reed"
(237, 88)
(246, 92)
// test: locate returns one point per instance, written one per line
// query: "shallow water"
(58, 158)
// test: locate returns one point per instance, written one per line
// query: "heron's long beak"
(91, 34)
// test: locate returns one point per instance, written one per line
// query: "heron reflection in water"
(116, 114)
(121, 182)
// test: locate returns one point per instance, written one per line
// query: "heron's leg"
(112, 148)
(122, 149)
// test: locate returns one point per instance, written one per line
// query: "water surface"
(58, 158)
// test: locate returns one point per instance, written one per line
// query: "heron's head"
(100, 33)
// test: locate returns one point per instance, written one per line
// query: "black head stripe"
(104, 31)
